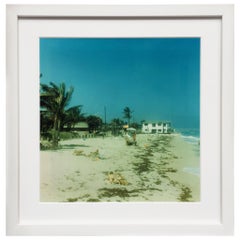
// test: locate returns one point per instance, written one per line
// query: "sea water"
(191, 136)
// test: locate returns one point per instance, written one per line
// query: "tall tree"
(116, 126)
(94, 123)
(127, 113)
(54, 100)
(72, 116)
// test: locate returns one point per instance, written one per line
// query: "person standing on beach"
(134, 138)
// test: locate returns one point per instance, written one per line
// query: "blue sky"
(158, 78)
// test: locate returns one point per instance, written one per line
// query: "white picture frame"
(33, 223)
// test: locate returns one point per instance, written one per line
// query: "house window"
(154, 124)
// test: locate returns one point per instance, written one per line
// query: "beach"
(160, 168)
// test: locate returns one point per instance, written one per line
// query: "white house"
(160, 127)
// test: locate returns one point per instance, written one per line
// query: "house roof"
(161, 122)
(81, 125)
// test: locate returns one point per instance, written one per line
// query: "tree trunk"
(55, 134)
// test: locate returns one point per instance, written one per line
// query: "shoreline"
(107, 170)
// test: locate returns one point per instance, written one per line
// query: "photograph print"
(119, 119)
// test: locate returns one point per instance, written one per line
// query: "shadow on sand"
(72, 146)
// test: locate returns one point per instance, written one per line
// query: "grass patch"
(68, 135)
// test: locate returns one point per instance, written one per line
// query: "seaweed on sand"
(166, 170)
(163, 150)
(75, 199)
(155, 144)
(163, 171)
(79, 152)
(123, 192)
(174, 183)
(93, 200)
(158, 182)
(164, 176)
(149, 153)
(185, 195)
(70, 178)
(143, 166)
(162, 163)
(112, 192)
(95, 155)
(165, 140)
(72, 199)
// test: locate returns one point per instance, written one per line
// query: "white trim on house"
(160, 127)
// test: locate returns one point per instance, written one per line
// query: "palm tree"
(116, 125)
(94, 123)
(72, 116)
(54, 99)
(127, 113)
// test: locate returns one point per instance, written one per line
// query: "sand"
(158, 168)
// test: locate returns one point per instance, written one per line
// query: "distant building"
(160, 127)
(78, 127)
(81, 126)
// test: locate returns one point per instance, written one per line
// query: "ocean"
(190, 135)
